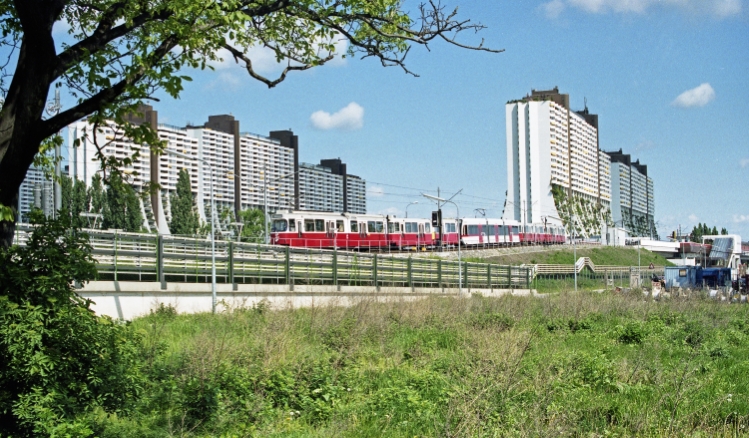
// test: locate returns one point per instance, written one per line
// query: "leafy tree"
(253, 229)
(116, 54)
(75, 199)
(122, 206)
(184, 217)
(723, 232)
(58, 360)
(97, 194)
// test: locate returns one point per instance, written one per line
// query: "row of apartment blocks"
(548, 144)
(239, 165)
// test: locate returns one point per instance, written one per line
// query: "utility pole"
(53, 108)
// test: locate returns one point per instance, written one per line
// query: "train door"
(420, 236)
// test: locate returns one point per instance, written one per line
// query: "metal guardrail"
(148, 257)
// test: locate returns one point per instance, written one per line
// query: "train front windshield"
(279, 225)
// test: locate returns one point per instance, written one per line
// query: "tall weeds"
(569, 365)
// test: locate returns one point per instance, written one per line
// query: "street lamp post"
(574, 248)
(213, 214)
(265, 197)
(457, 209)
(411, 203)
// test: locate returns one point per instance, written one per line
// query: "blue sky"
(631, 60)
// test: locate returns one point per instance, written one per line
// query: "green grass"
(605, 255)
(570, 365)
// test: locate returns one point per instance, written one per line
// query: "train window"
(394, 227)
(473, 230)
(412, 227)
(370, 227)
(279, 225)
(379, 228)
(309, 225)
(319, 225)
(339, 226)
(426, 228)
(354, 227)
(292, 225)
(449, 228)
(515, 229)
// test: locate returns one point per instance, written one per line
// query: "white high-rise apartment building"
(319, 188)
(356, 195)
(632, 199)
(550, 145)
(329, 187)
(263, 157)
(237, 183)
(35, 184)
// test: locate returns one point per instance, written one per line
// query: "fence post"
(439, 273)
(287, 268)
(335, 269)
(374, 269)
(465, 274)
(160, 261)
(115, 256)
(509, 276)
(489, 275)
(527, 278)
(231, 266)
(409, 273)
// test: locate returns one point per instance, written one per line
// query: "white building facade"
(550, 145)
(632, 198)
(319, 188)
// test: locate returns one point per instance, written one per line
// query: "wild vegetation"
(604, 255)
(570, 365)
(567, 364)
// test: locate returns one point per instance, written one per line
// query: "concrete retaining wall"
(127, 300)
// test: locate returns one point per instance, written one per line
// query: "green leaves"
(185, 220)
(59, 360)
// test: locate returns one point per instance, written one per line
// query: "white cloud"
(716, 8)
(349, 118)
(646, 145)
(698, 96)
(740, 218)
(726, 8)
(744, 162)
(693, 218)
(375, 191)
(553, 9)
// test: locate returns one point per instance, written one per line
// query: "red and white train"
(310, 229)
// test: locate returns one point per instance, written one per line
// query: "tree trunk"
(21, 132)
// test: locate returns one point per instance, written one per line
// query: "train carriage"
(489, 232)
(312, 229)
(410, 233)
(328, 230)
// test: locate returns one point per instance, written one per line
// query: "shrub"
(58, 360)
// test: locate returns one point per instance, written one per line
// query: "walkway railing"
(147, 257)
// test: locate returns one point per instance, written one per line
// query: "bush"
(58, 360)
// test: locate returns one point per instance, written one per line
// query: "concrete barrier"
(127, 300)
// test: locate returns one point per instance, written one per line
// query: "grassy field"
(605, 255)
(569, 365)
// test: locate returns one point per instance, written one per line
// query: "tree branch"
(104, 34)
(106, 96)
(238, 55)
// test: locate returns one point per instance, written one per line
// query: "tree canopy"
(118, 53)
(185, 219)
